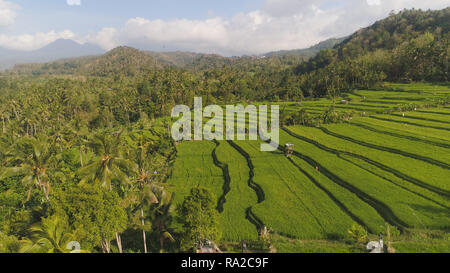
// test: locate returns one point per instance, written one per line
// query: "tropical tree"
(31, 160)
(9, 244)
(147, 192)
(199, 218)
(52, 235)
(161, 216)
(93, 214)
(109, 164)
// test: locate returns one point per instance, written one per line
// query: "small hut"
(208, 246)
(376, 246)
(289, 149)
(244, 246)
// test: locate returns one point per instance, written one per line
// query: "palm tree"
(161, 215)
(108, 166)
(145, 186)
(148, 193)
(137, 198)
(49, 236)
(5, 143)
(4, 115)
(32, 162)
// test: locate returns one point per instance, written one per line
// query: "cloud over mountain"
(278, 24)
(275, 25)
(7, 13)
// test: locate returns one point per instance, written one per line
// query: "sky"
(232, 27)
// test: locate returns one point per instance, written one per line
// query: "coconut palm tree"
(145, 187)
(31, 160)
(161, 215)
(139, 198)
(4, 115)
(108, 166)
(49, 236)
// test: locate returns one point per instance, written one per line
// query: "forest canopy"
(84, 143)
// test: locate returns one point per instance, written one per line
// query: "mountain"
(57, 50)
(4, 52)
(67, 49)
(63, 57)
(308, 52)
(122, 60)
(410, 46)
(199, 61)
(389, 35)
(188, 60)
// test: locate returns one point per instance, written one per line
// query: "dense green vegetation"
(237, 196)
(290, 206)
(409, 46)
(86, 153)
(195, 167)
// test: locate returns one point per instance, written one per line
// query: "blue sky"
(45, 15)
(232, 27)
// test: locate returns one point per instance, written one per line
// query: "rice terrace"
(242, 128)
(385, 164)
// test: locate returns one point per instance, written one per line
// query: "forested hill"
(123, 60)
(59, 49)
(190, 60)
(395, 30)
(130, 62)
(308, 52)
(412, 45)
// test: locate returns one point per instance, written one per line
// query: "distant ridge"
(308, 52)
(59, 49)
(123, 59)
(91, 60)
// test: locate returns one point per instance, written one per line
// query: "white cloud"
(35, 41)
(7, 13)
(73, 2)
(253, 32)
(107, 38)
(374, 2)
(277, 25)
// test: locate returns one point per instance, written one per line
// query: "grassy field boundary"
(410, 123)
(443, 145)
(382, 209)
(258, 190)
(330, 195)
(226, 177)
(393, 182)
(436, 112)
(377, 164)
(421, 118)
(386, 149)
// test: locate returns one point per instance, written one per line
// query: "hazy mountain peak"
(59, 49)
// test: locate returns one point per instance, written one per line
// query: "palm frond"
(15, 171)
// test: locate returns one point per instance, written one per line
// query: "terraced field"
(293, 205)
(195, 167)
(389, 166)
(238, 195)
(401, 206)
